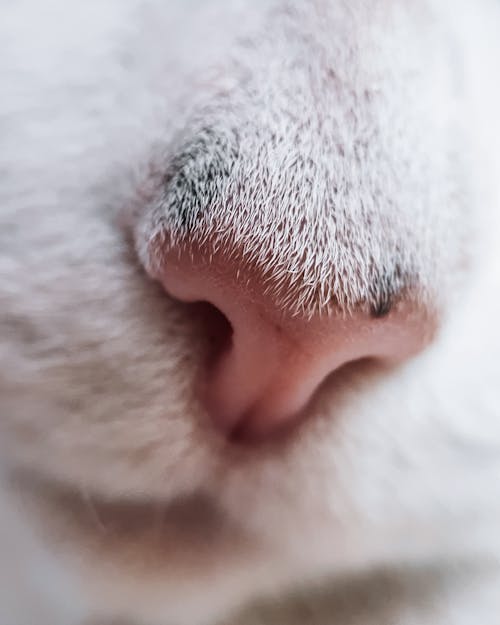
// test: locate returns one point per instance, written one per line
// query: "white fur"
(118, 500)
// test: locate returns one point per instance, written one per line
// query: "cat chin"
(149, 561)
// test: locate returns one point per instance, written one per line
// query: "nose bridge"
(218, 202)
(274, 206)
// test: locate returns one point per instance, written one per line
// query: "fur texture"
(319, 168)
(347, 150)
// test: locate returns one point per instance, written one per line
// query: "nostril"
(217, 330)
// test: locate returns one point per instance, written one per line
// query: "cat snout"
(305, 279)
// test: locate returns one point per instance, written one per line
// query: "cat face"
(300, 168)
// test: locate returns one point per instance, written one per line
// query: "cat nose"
(272, 360)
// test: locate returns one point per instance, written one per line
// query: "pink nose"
(274, 361)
